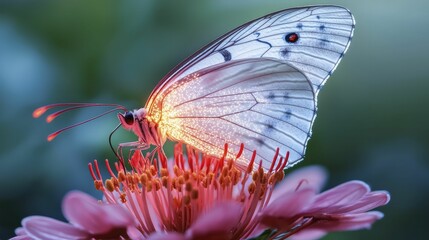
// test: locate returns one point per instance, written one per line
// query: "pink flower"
(88, 218)
(202, 197)
(300, 210)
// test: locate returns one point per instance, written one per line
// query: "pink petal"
(370, 201)
(343, 195)
(47, 228)
(20, 231)
(166, 235)
(21, 237)
(308, 177)
(349, 222)
(217, 223)
(284, 210)
(134, 233)
(308, 234)
(87, 213)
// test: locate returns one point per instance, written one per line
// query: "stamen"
(285, 162)
(252, 160)
(273, 163)
(179, 194)
(240, 151)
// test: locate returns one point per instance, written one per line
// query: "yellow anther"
(109, 185)
(251, 188)
(261, 171)
(279, 175)
(144, 179)
(115, 182)
(121, 176)
(188, 186)
(194, 194)
(264, 179)
(98, 185)
(225, 171)
(176, 170)
(157, 184)
(123, 198)
(130, 178)
(164, 172)
(186, 175)
(195, 176)
(149, 174)
(149, 186)
(152, 170)
(164, 181)
(181, 180)
(255, 176)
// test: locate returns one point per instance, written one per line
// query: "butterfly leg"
(134, 146)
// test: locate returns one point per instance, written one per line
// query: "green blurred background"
(372, 112)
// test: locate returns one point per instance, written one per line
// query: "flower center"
(171, 195)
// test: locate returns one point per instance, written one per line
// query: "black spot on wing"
(259, 141)
(286, 95)
(285, 52)
(269, 126)
(287, 114)
(226, 55)
(299, 26)
(323, 42)
(322, 27)
(271, 95)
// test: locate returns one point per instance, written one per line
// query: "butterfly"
(257, 85)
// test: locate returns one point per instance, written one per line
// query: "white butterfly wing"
(253, 86)
(264, 103)
(324, 35)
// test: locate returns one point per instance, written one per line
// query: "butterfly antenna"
(55, 134)
(69, 106)
(121, 160)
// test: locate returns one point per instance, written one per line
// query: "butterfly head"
(137, 122)
(131, 119)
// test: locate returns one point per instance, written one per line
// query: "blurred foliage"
(371, 123)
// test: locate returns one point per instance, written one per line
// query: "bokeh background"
(372, 121)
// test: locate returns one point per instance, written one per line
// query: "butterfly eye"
(291, 37)
(129, 118)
